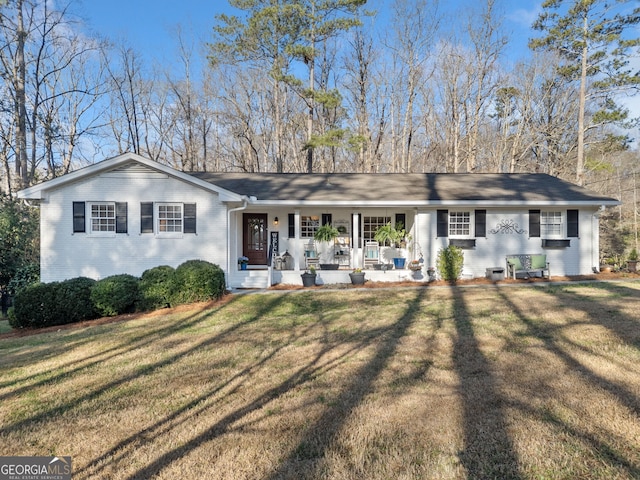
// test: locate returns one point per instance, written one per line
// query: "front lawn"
(406, 383)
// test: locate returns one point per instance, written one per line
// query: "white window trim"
(470, 224)
(89, 220)
(157, 219)
(544, 233)
(304, 229)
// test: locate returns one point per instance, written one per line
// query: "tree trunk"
(21, 102)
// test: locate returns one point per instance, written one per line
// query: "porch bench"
(527, 264)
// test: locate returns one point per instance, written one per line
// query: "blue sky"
(147, 25)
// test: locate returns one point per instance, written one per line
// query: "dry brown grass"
(423, 383)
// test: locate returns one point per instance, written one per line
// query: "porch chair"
(311, 255)
(371, 254)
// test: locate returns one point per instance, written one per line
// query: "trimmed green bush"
(74, 300)
(115, 295)
(155, 288)
(35, 306)
(197, 281)
(449, 263)
(57, 303)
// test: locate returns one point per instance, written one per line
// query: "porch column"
(297, 255)
(357, 263)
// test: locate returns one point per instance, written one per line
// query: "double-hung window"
(371, 224)
(309, 226)
(103, 217)
(459, 224)
(170, 218)
(551, 224)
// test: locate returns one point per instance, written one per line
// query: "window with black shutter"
(481, 223)
(189, 218)
(534, 223)
(146, 217)
(79, 224)
(401, 220)
(327, 219)
(572, 223)
(443, 223)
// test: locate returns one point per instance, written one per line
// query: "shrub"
(74, 302)
(197, 281)
(449, 263)
(155, 288)
(115, 294)
(57, 303)
(35, 306)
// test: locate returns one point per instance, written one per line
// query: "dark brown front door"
(255, 238)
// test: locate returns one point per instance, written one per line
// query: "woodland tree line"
(332, 86)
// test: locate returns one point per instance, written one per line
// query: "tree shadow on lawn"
(488, 449)
(548, 334)
(191, 320)
(80, 365)
(317, 438)
(198, 406)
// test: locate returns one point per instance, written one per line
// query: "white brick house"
(128, 213)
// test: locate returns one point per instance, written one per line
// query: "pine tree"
(594, 38)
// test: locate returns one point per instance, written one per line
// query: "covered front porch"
(277, 245)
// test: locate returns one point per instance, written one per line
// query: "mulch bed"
(603, 276)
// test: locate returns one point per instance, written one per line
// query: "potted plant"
(243, 262)
(431, 271)
(309, 277)
(357, 276)
(395, 236)
(632, 260)
(415, 265)
(327, 234)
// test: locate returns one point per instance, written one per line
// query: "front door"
(255, 238)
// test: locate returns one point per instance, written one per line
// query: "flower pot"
(243, 266)
(398, 262)
(357, 278)
(308, 279)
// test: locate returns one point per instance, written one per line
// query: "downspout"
(245, 203)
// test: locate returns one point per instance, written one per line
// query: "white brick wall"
(66, 255)
(490, 251)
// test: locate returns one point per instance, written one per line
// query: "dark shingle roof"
(405, 188)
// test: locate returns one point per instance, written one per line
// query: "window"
(371, 224)
(309, 225)
(103, 217)
(170, 218)
(459, 223)
(551, 224)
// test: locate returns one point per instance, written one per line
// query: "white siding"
(67, 255)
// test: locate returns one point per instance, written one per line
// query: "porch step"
(250, 279)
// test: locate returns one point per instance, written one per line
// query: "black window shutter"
(326, 219)
(572, 223)
(189, 218)
(146, 217)
(79, 225)
(534, 223)
(292, 225)
(481, 223)
(401, 219)
(121, 217)
(443, 223)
